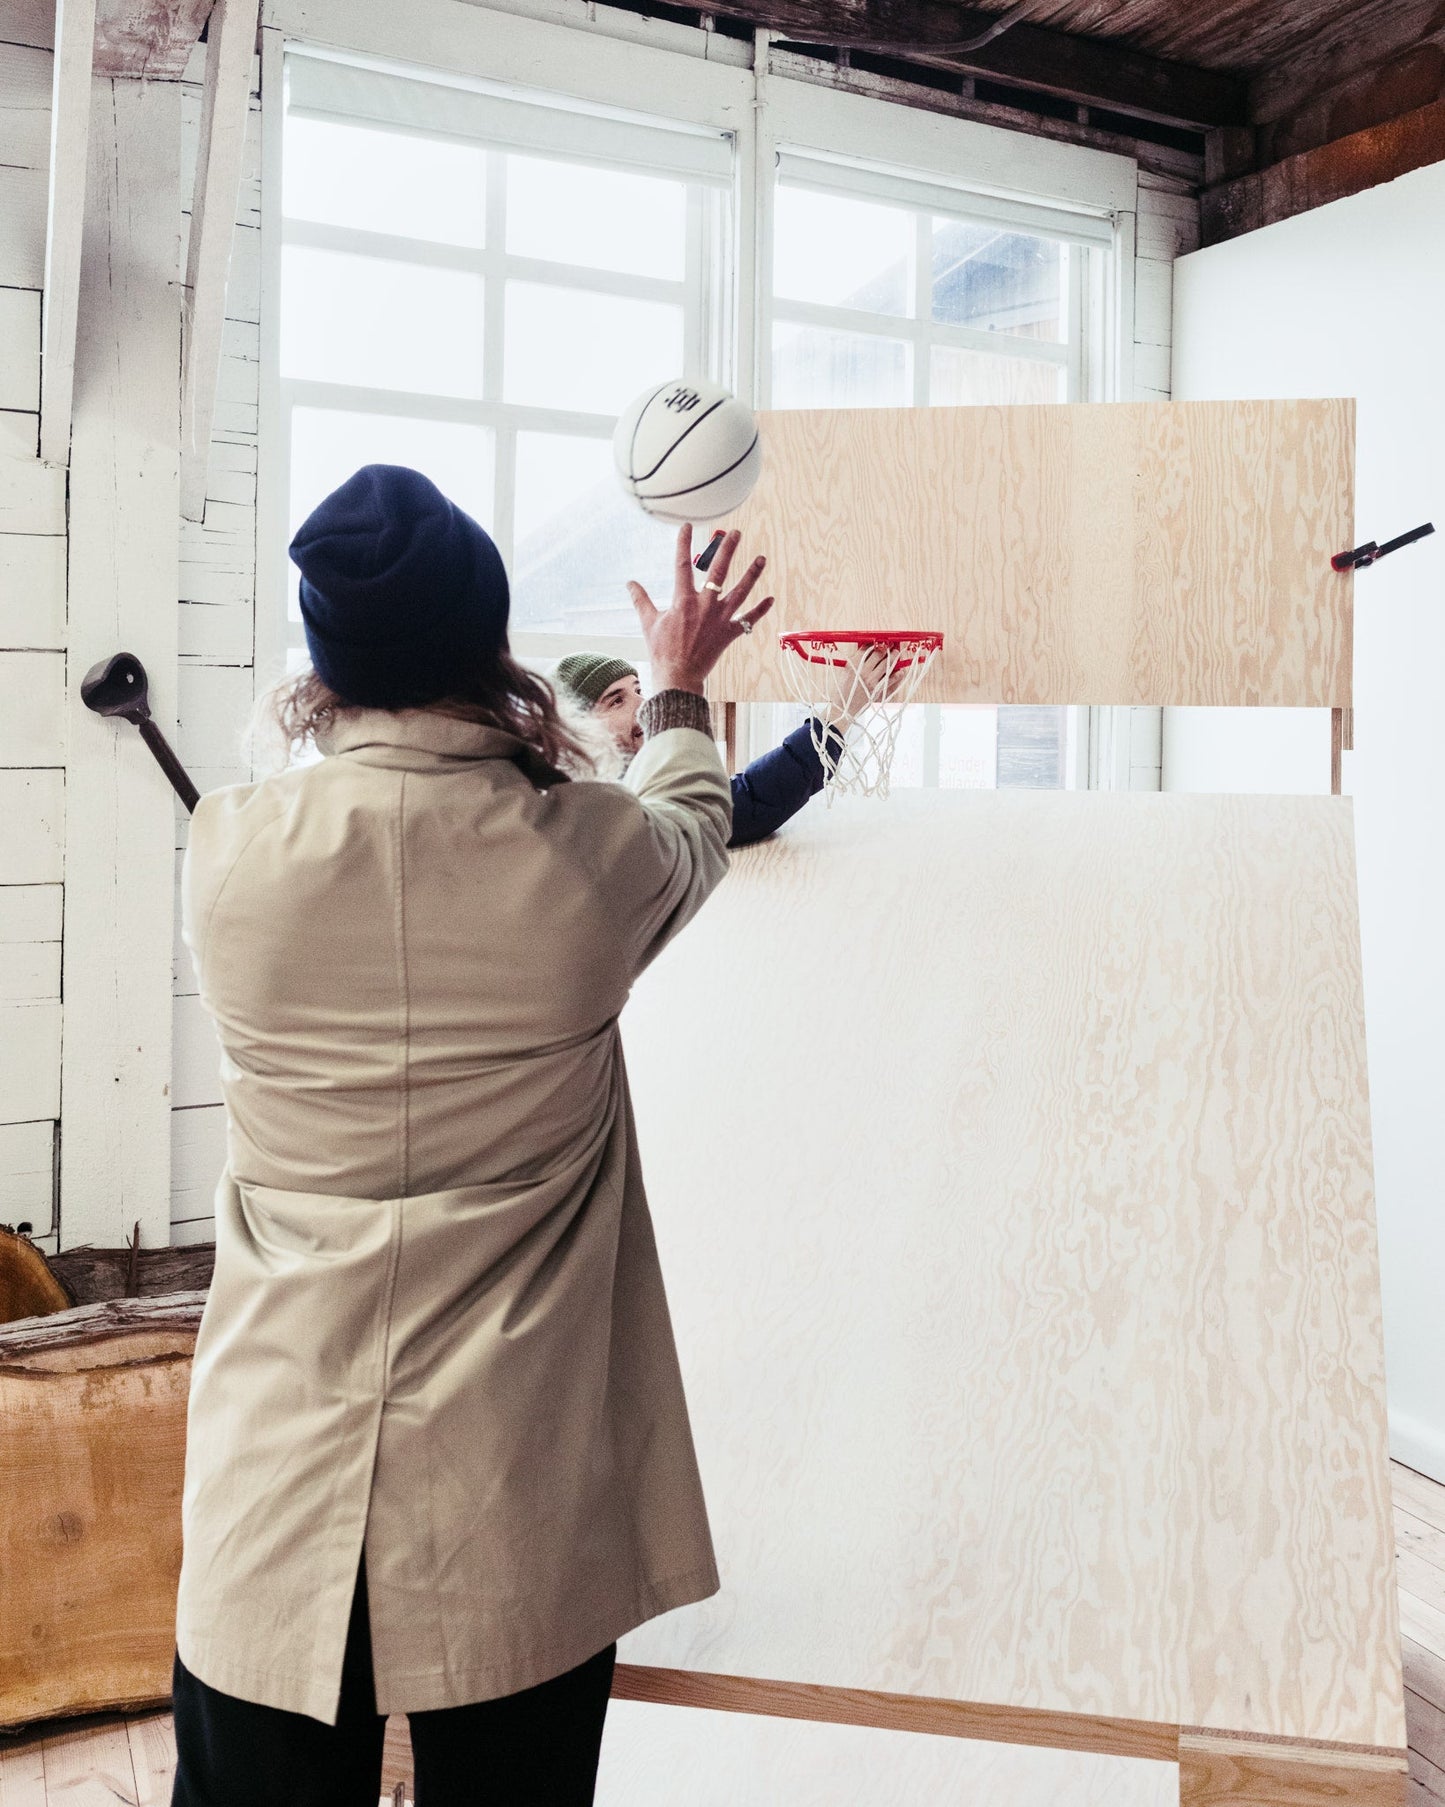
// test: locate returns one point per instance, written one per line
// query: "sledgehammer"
(117, 686)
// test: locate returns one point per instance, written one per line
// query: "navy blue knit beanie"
(400, 590)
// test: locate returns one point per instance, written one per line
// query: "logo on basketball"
(688, 450)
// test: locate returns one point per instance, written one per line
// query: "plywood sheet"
(1011, 1168)
(732, 1757)
(1149, 552)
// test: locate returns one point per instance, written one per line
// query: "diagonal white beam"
(65, 214)
(229, 48)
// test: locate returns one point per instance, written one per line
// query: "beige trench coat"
(437, 1327)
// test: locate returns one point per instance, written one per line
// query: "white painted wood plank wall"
(217, 649)
(124, 503)
(32, 657)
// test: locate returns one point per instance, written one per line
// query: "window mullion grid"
(1076, 263)
(922, 308)
(494, 297)
(696, 336)
(937, 332)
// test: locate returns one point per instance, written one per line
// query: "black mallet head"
(117, 686)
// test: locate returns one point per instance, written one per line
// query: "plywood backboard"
(1143, 552)
(1010, 1162)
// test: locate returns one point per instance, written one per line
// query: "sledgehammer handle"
(165, 758)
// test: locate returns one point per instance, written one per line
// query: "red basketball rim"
(918, 640)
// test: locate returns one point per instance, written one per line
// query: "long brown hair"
(497, 693)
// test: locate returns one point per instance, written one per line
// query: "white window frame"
(674, 74)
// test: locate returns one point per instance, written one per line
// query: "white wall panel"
(32, 808)
(23, 195)
(19, 434)
(25, 84)
(32, 496)
(196, 1056)
(29, 1061)
(20, 348)
(1278, 312)
(27, 1175)
(30, 912)
(32, 723)
(32, 590)
(198, 1155)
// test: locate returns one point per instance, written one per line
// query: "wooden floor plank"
(153, 1756)
(1424, 1672)
(396, 1757)
(1425, 1729)
(22, 1776)
(1423, 1623)
(90, 1768)
(1421, 1579)
(1431, 1779)
(1420, 1538)
(1417, 1493)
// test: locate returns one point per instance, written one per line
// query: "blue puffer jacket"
(777, 786)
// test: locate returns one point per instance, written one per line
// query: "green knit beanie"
(587, 675)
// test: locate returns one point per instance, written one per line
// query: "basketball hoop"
(829, 671)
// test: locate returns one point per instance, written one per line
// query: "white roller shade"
(837, 175)
(356, 93)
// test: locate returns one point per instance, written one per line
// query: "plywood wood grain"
(92, 1448)
(1150, 552)
(759, 1696)
(1016, 1213)
(731, 1757)
(1215, 1772)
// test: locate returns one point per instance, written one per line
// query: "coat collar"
(397, 736)
(420, 730)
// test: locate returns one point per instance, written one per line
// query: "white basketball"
(687, 450)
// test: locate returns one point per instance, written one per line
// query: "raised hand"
(685, 641)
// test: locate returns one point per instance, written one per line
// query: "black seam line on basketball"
(637, 427)
(671, 495)
(648, 475)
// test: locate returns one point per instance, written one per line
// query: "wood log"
(92, 1274)
(28, 1286)
(92, 1457)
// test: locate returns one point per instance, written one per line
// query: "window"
(476, 277)
(887, 293)
(475, 284)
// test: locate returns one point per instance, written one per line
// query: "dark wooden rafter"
(148, 38)
(1329, 173)
(1085, 71)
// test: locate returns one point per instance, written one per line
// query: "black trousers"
(538, 1748)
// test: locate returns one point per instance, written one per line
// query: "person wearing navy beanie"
(399, 589)
(438, 1458)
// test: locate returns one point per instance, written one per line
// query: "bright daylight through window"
(476, 284)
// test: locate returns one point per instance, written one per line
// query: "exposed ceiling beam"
(147, 37)
(1087, 71)
(64, 219)
(1314, 178)
(225, 104)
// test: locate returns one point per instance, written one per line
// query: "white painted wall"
(32, 655)
(195, 631)
(1347, 300)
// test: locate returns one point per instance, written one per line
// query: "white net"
(858, 685)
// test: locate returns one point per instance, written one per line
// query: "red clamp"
(1371, 550)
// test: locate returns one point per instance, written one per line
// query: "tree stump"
(92, 1458)
(28, 1287)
